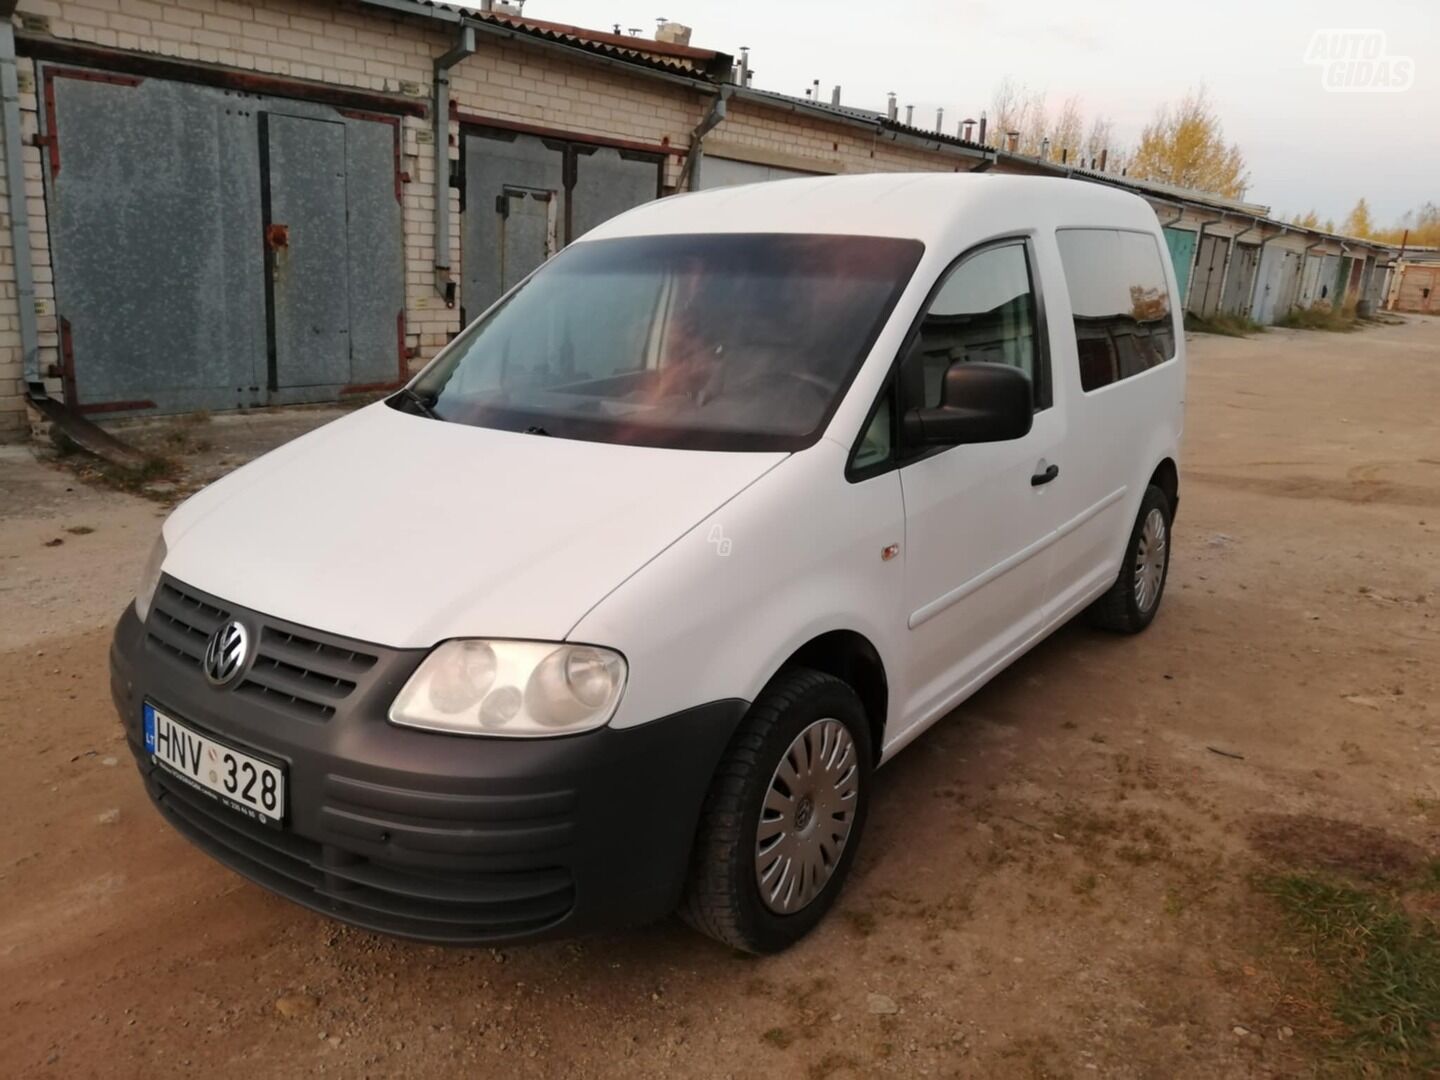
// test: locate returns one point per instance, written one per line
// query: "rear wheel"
(783, 816)
(1132, 601)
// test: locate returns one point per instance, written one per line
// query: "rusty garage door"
(526, 196)
(215, 249)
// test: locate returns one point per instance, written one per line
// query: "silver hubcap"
(1150, 560)
(809, 809)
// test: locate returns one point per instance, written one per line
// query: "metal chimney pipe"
(1103, 155)
(744, 65)
(1064, 154)
(891, 107)
(940, 119)
(909, 115)
(835, 95)
(967, 126)
(1012, 138)
(1045, 148)
(983, 122)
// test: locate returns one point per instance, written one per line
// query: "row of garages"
(1264, 271)
(239, 203)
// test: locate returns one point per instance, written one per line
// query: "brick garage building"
(234, 203)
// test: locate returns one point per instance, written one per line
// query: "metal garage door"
(527, 196)
(716, 172)
(1204, 297)
(1181, 244)
(215, 249)
(1310, 281)
(1278, 284)
(1329, 272)
(1240, 279)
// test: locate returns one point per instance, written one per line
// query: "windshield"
(713, 341)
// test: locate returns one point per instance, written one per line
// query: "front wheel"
(1132, 601)
(783, 816)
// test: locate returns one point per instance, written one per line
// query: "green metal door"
(1181, 243)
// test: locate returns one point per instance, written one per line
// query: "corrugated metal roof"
(849, 114)
(1173, 191)
(684, 60)
(715, 67)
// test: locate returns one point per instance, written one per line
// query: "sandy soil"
(1055, 881)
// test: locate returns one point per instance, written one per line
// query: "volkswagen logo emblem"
(226, 654)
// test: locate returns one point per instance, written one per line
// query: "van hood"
(404, 531)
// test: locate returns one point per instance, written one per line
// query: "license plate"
(239, 780)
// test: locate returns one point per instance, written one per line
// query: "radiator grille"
(292, 673)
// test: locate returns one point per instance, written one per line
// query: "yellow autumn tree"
(1184, 144)
(1416, 227)
(1359, 223)
(1308, 220)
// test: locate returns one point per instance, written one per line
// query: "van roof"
(920, 206)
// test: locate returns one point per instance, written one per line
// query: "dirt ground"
(1057, 880)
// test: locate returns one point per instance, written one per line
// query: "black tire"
(722, 897)
(1119, 609)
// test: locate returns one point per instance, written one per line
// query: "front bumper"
(434, 837)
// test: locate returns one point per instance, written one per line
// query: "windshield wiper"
(423, 404)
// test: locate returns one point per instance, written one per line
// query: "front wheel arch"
(853, 659)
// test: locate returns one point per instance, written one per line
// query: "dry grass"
(1322, 317)
(1225, 325)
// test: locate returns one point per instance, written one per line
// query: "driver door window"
(984, 310)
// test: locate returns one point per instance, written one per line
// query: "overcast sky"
(1306, 147)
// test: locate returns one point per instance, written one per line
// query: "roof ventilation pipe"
(940, 120)
(835, 96)
(892, 109)
(744, 79)
(909, 115)
(440, 121)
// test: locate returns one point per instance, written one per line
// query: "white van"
(619, 604)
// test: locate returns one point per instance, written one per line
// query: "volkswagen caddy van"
(616, 608)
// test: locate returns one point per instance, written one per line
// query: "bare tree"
(1067, 128)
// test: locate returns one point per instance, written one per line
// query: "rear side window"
(1121, 303)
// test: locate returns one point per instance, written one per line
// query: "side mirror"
(979, 402)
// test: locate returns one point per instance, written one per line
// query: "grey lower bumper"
(434, 837)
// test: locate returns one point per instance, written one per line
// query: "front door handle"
(1045, 476)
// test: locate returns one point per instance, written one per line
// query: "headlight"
(512, 688)
(150, 578)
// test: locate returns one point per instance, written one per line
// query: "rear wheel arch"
(1167, 478)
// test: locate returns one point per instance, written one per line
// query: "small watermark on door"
(719, 541)
(1359, 62)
